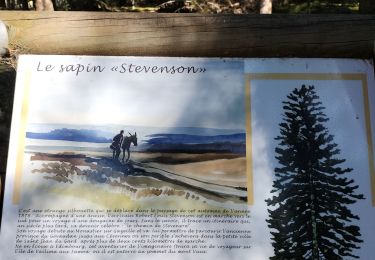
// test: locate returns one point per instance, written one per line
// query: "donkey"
(126, 145)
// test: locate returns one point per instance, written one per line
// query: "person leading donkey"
(116, 145)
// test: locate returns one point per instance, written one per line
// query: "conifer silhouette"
(308, 214)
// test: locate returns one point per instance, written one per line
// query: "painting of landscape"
(195, 164)
(182, 138)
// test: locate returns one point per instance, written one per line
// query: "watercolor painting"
(158, 140)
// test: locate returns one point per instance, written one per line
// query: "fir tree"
(308, 214)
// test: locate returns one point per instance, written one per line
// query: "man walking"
(116, 145)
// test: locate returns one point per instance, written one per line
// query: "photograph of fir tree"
(311, 165)
(309, 215)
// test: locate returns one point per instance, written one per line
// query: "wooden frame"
(150, 34)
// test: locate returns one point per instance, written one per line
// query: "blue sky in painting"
(213, 99)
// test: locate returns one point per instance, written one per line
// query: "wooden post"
(44, 5)
(87, 33)
(266, 6)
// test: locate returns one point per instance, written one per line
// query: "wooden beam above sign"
(192, 35)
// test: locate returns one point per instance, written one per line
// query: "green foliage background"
(204, 6)
(212, 6)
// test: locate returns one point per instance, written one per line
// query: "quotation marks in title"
(154, 69)
(129, 68)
